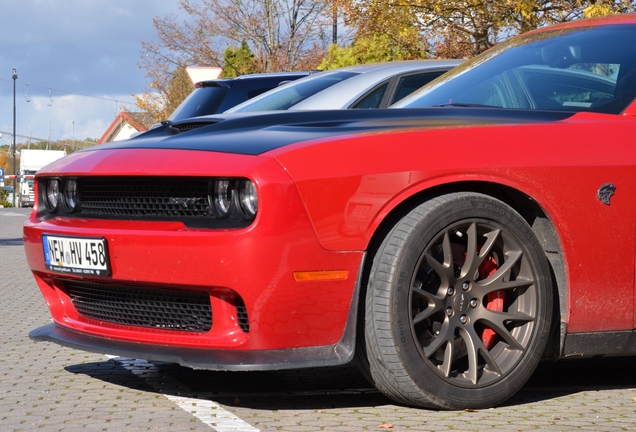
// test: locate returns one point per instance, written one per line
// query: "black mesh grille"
(155, 308)
(145, 196)
(173, 199)
(185, 127)
(241, 314)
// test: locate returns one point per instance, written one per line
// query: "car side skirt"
(616, 343)
(215, 359)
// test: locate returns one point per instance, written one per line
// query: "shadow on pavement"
(11, 242)
(336, 387)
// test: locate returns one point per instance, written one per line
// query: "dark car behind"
(216, 96)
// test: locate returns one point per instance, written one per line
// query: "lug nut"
(465, 286)
(473, 303)
(449, 311)
(450, 291)
(463, 319)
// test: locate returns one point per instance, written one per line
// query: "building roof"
(126, 124)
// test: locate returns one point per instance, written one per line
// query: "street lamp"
(15, 172)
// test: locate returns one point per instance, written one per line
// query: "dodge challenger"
(448, 245)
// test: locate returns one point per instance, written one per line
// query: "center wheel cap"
(461, 303)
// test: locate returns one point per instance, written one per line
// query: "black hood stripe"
(259, 133)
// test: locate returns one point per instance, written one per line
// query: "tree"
(238, 61)
(460, 28)
(395, 21)
(604, 7)
(165, 94)
(283, 35)
(369, 49)
(6, 161)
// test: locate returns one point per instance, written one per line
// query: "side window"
(373, 99)
(256, 92)
(409, 84)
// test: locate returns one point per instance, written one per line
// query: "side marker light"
(327, 275)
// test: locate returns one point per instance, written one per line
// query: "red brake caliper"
(494, 301)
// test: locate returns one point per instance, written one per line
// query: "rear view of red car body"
(447, 248)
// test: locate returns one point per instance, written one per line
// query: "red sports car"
(448, 246)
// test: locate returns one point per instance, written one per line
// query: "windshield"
(288, 95)
(575, 69)
(202, 101)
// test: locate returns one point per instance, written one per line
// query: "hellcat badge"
(605, 192)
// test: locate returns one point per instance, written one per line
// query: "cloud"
(63, 117)
(82, 47)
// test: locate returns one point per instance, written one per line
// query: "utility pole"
(15, 172)
(335, 25)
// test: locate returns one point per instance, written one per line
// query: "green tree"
(239, 61)
(369, 49)
(385, 25)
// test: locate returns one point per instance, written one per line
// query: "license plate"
(76, 255)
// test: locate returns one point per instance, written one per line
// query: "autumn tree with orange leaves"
(463, 28)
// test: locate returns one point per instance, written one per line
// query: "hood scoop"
(188, 126)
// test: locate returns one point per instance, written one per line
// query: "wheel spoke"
(435, 304)
(472, 343)
(471, 252)
(449, 353)
(490, 242)
(496, 320)
(490, 361)
(504, 269)
(443, 269)
(474, 259)
(500, 280)
(445, 336)
(475, 347)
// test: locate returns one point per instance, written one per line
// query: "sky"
(77, 62)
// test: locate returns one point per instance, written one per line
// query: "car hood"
(254, 134)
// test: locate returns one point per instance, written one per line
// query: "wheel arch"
(541, 224)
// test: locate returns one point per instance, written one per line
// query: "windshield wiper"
(465, 105)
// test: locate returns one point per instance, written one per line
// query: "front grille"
(241, 314)
(170, 199)
(145, 196)
(155, 308)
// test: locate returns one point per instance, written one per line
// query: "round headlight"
(71, 194)
(248, 199)
(222, 198)
(53, 195)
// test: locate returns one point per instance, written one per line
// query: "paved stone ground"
(51, 388)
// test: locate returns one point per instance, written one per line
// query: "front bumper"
(210, 359)
(305, 321)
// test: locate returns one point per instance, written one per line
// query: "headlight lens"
(222, 198)
(248, 199)
(71, 194)
(53, 195)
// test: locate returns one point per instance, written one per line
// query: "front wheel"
(458, 305)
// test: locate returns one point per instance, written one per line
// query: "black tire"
(427, 317)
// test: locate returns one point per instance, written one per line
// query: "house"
(125, 125)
